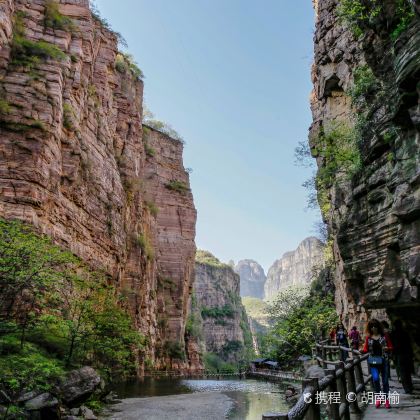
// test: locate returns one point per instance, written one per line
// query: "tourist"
(332, 335)
(341, 340)
(355, 338)
(403, 355)
(387, 334)
(377, 345)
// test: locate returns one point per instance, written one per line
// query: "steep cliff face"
(76, 163)
(366, 76)
(218, 313)
(252, 278)
(294, 268)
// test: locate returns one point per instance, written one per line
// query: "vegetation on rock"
(144, 242)
(363, 14)
(226, 311)
(206, 257)
(125, 63)
(26, 52)
(54, 19)
(150, 121)
(178, 186)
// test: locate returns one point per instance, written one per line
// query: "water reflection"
(251, 397)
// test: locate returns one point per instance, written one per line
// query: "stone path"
(407, 409)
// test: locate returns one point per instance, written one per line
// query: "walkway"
(407, 409)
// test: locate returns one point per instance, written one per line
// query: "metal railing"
(340, 377)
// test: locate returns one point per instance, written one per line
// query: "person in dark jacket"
(387, 334)
(341, 340)
(403, 354)
(377, 345)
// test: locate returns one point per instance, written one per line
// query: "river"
(193, 399)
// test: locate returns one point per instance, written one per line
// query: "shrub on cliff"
(125, 63)
(149, 120)
(207, 258)
(54, 19)
(226, 311)
(365, 14)
(178, 186)
(26, 52)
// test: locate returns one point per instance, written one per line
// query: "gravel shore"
(198, 406)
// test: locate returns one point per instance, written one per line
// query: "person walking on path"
(387, 334)
(355, 338)
(403, 354)
(341, 340)
(377, 345)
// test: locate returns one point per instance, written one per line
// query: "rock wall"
(294, 268)
(374, 215)
(75, 163)
(222, 321)
(252, 278)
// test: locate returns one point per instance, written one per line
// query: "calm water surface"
(251, 397)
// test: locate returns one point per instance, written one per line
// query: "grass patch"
(20, 127)
(178, 186)
(125, 63)
(145, 244)
(28, 53)
(68, 116)
(226, 311)
(206, 257)
(153, 208)
(150, 152)
(55, 19)
(5, 107)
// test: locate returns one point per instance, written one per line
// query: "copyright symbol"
(307, 397)
(351, 397)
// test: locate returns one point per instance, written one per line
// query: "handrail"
(344, 377)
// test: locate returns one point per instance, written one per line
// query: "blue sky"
(233, 78)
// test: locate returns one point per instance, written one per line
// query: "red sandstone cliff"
(73, 162)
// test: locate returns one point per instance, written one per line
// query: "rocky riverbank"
(201, 406)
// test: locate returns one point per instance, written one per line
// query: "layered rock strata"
(366, 75)
(75, 163)
(221, 321)
(294, 268)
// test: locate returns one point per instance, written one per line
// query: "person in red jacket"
(378, 345)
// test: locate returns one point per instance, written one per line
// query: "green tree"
(29, 267)
(299, 320)
(56, 307)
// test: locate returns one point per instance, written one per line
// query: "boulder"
(75, 411)
(87, 413)
(25, 396)
(45, 400)
(79, 384)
